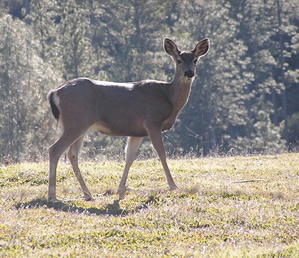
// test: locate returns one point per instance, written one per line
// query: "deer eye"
(195, 61)
(179, 61)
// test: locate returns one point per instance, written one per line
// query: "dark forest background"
(245, 99)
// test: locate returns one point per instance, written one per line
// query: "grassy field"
(230, 206)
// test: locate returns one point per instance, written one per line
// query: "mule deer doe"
(136, 110)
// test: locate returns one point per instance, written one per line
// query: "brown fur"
(136, 110)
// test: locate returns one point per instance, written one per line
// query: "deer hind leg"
(73, 157)
(156, 139)
(55, 152)
(131, 151)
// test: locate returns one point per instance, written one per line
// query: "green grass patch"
(225, 207)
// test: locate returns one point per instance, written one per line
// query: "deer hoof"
(52, 199)
(173, 187)
(121, 193)
(89, 199)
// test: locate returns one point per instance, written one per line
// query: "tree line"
(245, 98)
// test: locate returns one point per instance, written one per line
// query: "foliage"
(24, 80)
(245, 97)
(226, 207)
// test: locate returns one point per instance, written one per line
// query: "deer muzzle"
(189, 74)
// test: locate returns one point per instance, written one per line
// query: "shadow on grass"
(112, 209)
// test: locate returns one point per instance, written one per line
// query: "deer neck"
(180, 92)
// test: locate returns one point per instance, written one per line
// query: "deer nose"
(189, 74)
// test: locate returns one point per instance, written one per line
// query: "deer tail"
(52, 97)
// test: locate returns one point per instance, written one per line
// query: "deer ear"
(170, 47)
(201, 48)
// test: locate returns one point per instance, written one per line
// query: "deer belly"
(101, 127)
(119, 130)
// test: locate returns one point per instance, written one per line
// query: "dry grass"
(236, 206)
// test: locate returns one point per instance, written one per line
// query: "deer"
(135, 109)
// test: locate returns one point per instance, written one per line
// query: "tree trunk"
(282, 75)
(274, 102)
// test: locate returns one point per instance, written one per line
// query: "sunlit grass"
(235, 206)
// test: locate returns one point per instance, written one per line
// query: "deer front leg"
(156, 138)
(131, 151)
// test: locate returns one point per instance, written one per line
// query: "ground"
(225, 207)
